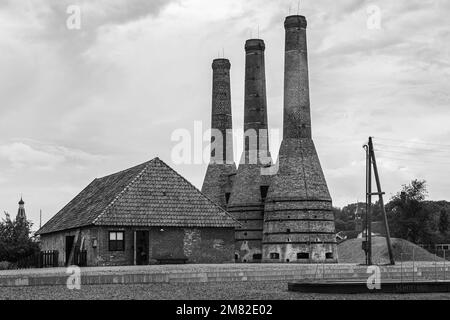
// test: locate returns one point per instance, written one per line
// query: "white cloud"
(43, 157)
(137, 70)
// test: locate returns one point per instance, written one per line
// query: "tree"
(443, 222)
(15, 240)
(409, 217)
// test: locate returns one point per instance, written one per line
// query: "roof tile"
(150, 194)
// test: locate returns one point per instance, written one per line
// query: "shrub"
(5, 265)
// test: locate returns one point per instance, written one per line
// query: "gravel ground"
(268, 290)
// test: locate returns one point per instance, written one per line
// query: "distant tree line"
(410, 216)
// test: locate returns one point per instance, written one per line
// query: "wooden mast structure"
(372, 163)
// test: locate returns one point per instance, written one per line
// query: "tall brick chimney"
(255, 104)
(299, 222)
(297, 114)
(219, 175)
(250, 184)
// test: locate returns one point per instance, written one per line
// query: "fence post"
(401, 267)
(445, 270)
(435, 266)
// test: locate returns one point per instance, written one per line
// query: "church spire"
(21, 212)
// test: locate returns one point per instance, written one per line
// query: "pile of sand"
(350, 251)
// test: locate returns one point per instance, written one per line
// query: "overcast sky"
(80, 104)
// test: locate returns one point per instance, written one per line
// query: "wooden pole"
(366, 147)
(134, 247)
(380, 195)
(369, 208)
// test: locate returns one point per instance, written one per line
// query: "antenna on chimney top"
(298, 7)
(40, 218)
(258, 31)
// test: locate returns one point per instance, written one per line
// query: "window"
(329, 255)
(264, 190)
(116, 241)
(227, 196)
(274, 255)
(445, 247)
(303, 255)
(257, 256)
(288, 230)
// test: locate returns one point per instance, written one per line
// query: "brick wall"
(198, 245)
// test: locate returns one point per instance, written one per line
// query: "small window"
(245, 233)
(116, 241)
(303, 255)
(264, 190)
(236, 257)
(445, 247)
(288, 230)
(274, 255)
(257, 256)
(287, 260)
(329, 255)
(227, 196)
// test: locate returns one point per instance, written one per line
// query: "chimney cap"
(255, 44)
(221, 63)
(295, 21)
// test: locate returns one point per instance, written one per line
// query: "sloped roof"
(150, 194)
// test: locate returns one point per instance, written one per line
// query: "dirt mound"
(350, 251)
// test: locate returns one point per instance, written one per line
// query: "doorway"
(142, 247)
(69, 245)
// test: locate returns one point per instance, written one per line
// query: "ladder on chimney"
(372, 163)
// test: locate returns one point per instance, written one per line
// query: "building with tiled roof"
(146, 214)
